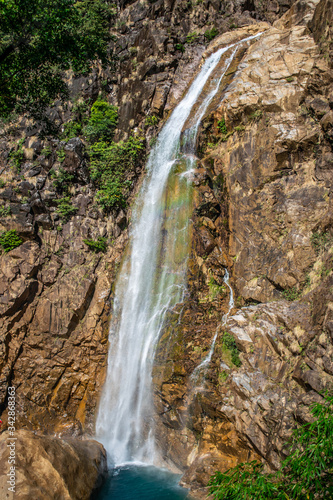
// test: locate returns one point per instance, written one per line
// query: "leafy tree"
(39, 40)
(307, 474)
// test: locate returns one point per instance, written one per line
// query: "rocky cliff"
(263, 210)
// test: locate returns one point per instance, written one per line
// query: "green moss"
(180, 46)
(10, 240)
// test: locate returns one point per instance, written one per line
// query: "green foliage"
(291, 294)
(307, 474)
(47, 152)
(214, 288)
(17, 156)
(229, 343)
(2, 183)
(99, 245)
(151, 121)
(221, 126)
(39, 40)
(102, 122)
(192, 37)
(223, 375)
(10, 240)
(62, 179)
(71, 129)
(180, 46)
(108, 164)
(256, 115)
(65, 208)
(61, 155)
(5, 211)
(319, 240)
(210, 34)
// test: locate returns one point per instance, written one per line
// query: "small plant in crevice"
(5, 211)
(99, 245)
(192, 37)
(61, 155)
(229, 345)
(319, 240)
(151, 121)
(2, 183)
(180, 46)
(210, 34)
(222, 126)
(16, 157)
(61, 179)
(256, 115)
(65, 208)
(10, 240)
(291, 294)
(223, 375)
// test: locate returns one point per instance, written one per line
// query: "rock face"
(264, 211)
(50, 468)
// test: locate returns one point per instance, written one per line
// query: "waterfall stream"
(152, 278)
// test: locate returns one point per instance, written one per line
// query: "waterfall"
(152, 278)
(200, 369)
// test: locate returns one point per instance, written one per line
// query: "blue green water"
(136, 482)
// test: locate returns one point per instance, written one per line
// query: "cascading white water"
(152, 279)
(205, 362)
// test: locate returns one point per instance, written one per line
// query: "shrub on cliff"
(10, 240)
(102, 122)
(108, 164)
(39, 40)
(307, 474)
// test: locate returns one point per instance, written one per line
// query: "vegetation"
(65, 208)
(16, 157)
(319, 240)
(229, 344)
(180, 46)
(39, 40)
(102, 122)
(62, 179)
(256, 115)
(108, 164)
(2, 183)
(99, 245)
(291, 294)
(5, 211)
(10, 240)
(222, 126)
(210, 34)
(307, 474)
(192, 37)
(151, 121)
